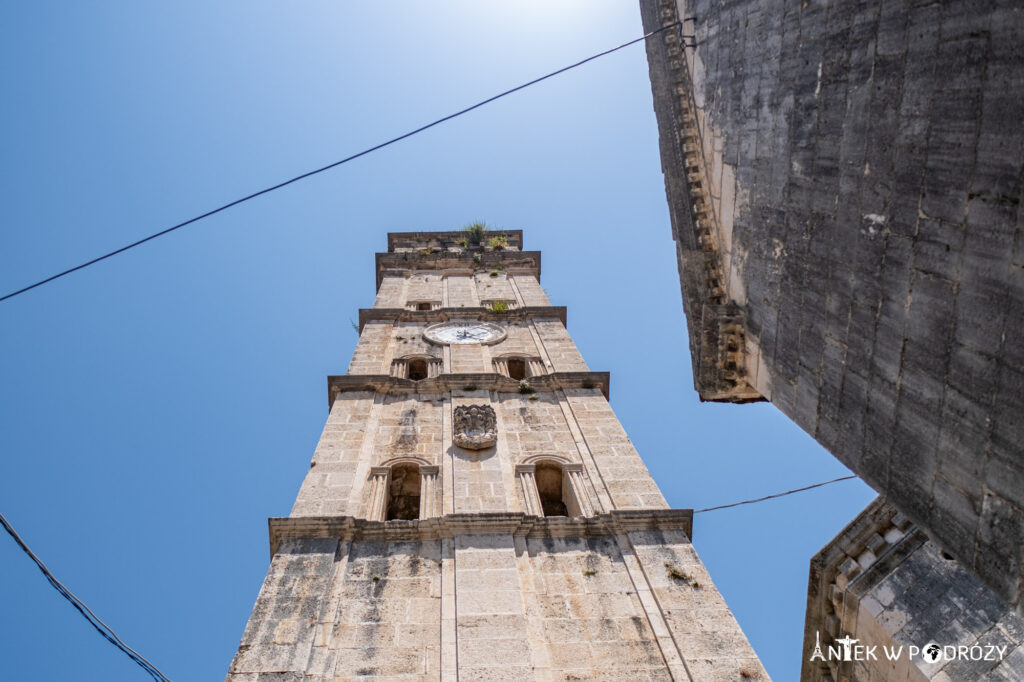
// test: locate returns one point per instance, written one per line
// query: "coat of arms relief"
(476, 427)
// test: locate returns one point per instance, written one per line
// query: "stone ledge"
(416, 240)
(349, 528)
(401, 264)
(445, 383)
(444, 314)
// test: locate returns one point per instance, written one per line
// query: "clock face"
(445, 333)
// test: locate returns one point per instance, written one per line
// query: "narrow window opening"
(417, 369)
(517, 368)
(424, 305)
(404, 493)
(549, 488)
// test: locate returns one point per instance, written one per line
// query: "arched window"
(417, 369)
(554, 487)
(517, 368)
(549, 488)
(404, 493)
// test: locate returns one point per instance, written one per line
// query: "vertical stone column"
(501, 366)
(428, 491)
(576, 486)
(380, 478)
(536, 367)
(528, 481)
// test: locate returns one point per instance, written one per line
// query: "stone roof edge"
(716, 325)
(516, 236)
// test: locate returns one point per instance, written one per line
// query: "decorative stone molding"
(446, 314)
(401, 264)
(422, 305)
(476, 427)
(879, 537)
(429, 488)
(510, 304)
(576, 497)
(445, 383)
(715, 322)
(528, 482)
(349, 528)
(380, 479)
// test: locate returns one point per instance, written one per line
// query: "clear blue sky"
(158, 407)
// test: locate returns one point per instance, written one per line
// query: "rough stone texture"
(883, 583)
(852, 170)
(471, 580)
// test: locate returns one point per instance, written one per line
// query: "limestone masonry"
(884, 585)
(844, 180)
(474, 510)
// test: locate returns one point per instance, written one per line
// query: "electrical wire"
(772, 497)
(101, 627)
(333, 165)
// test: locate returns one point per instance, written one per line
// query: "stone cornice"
(349, 528)
(401, 264)
(716, 325)
(445, 383)
(398, 240)
(444, 314)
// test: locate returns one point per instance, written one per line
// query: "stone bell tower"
(474, 510)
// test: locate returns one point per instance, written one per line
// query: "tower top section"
(457, 252)
(457, 240)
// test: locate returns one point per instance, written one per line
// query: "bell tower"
(474, 510)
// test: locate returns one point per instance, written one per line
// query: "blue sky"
(158, 407)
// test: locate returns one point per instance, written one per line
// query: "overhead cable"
(86, 612)
(772, 497)
(311, 173)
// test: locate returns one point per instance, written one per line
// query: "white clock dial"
(446, 333)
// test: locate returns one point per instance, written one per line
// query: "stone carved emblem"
(476, 427)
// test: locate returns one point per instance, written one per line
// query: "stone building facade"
(474, 510)
(844, 184)
(887, 591)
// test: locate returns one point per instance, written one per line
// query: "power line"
(332, 165)
(772, 497)
(86, 612)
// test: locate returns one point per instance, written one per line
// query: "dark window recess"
(417, 369)
(424, 306)
(404, 493)
(549, 487)
(517, 368)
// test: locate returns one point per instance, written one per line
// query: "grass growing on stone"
(475, 232)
